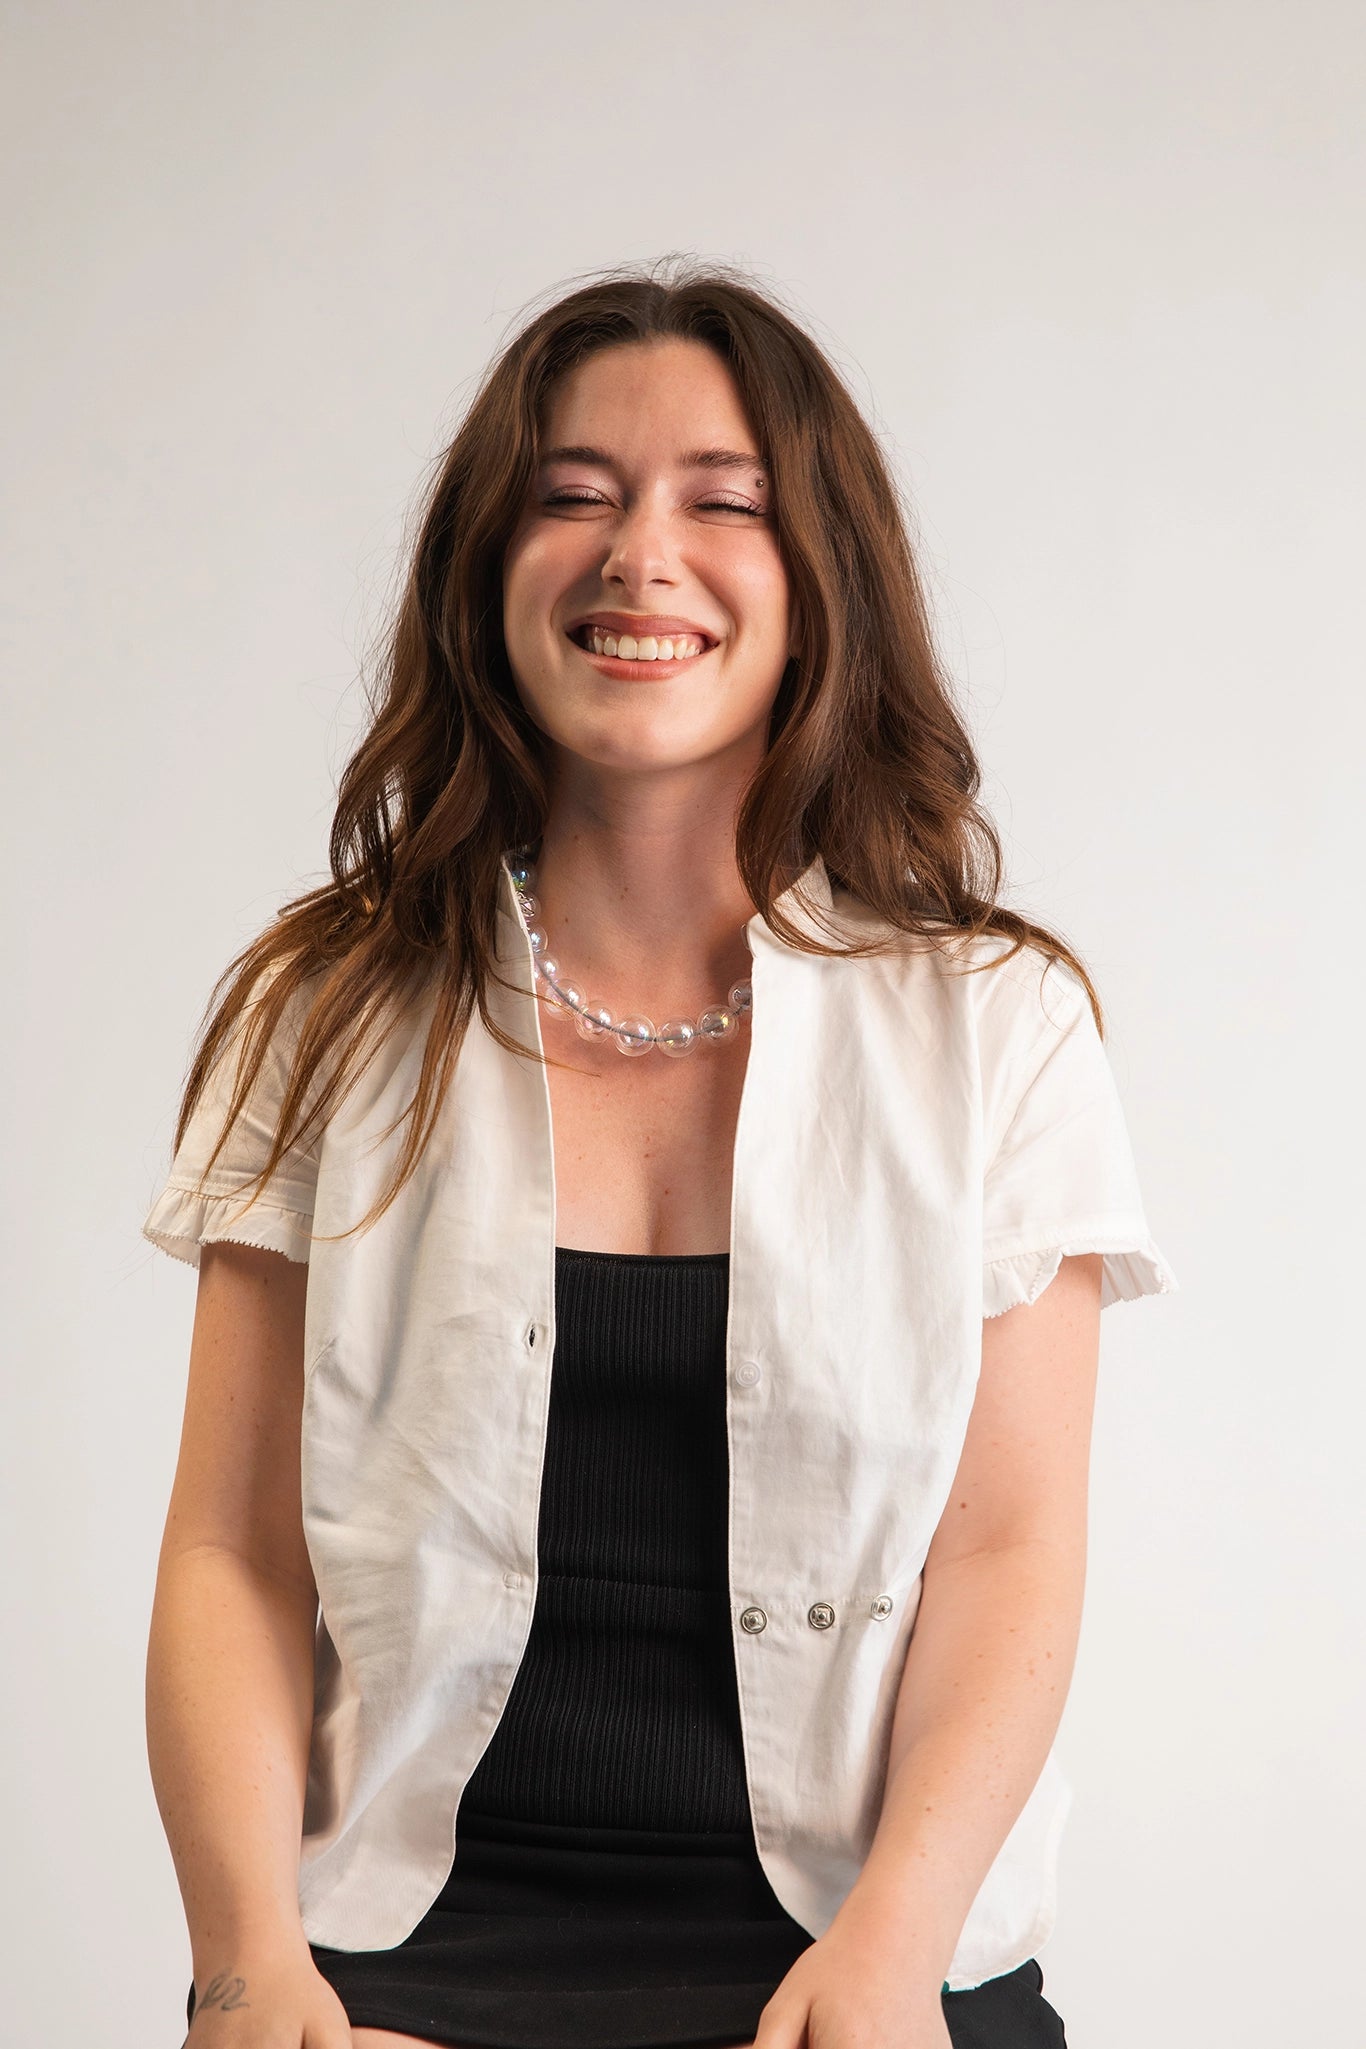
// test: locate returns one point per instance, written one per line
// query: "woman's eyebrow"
(695, 459)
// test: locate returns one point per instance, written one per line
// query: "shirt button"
(747, 1374)
(881, 1606)
(753, 1620)
(821, 1616)
(512, 1579)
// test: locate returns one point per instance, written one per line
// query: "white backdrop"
(1095, 272)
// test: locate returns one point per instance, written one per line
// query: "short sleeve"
(1061, 1179)
(186, 1215)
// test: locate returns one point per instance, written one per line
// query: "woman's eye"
(709, 505)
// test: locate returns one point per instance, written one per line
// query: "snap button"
(512, 1579)
(747, 1374)
(821, 1615)
(881, 1606)
(753, 1620)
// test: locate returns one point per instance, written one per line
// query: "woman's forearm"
(983, 1690)
(229, 1719)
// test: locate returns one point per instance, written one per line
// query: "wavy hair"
(868, 761)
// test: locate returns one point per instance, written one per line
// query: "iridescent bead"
(520, 873)
(741, 998)
(676, 1037)
(539, 942)
(718, 1024)
(565, 998)
(593, 1020)
(634, 1035)
(547, 967)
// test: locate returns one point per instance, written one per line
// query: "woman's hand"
(274, 1998)
(858, 1986)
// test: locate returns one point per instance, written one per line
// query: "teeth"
(647, 649)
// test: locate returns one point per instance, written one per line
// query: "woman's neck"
(642, 918)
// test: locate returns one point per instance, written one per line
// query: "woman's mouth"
(621, 654)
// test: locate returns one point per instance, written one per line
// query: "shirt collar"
(808, 903)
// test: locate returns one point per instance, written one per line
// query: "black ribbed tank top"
(624, 1711)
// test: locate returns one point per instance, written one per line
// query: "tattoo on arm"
(224, 1991)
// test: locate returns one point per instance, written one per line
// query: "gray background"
(1094, 271)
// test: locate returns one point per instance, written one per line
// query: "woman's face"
(630, 523)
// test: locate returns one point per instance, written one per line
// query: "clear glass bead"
(547, 967)
(676, 1037)
(741, 998)
(528, 905)
(593, 1020)
(718, 1024)
(539, 942)
(634, 1035)
(565, 998)
(520, 873)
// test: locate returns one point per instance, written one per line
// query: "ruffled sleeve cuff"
(180, 1221)
(1132, 1266)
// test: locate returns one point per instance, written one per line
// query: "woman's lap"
(1009, 2012)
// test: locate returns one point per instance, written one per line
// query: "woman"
(495, 1707)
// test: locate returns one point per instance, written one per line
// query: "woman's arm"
(982, 1693)
(230, 1652)
(995, 1638)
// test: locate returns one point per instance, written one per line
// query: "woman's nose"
(642, 548)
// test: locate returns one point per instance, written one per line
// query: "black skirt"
(606, 1891)
(583, 1938)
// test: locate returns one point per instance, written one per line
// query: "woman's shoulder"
(988, 980)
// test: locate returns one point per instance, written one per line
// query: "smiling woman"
(644, 1584)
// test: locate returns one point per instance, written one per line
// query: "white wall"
(1096, 271)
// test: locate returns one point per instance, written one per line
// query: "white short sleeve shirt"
(916, 1148)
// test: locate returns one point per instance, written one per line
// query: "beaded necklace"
(631, 1035)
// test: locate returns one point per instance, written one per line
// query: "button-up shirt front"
(916, 1147)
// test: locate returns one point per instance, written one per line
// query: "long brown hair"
(868, 762)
